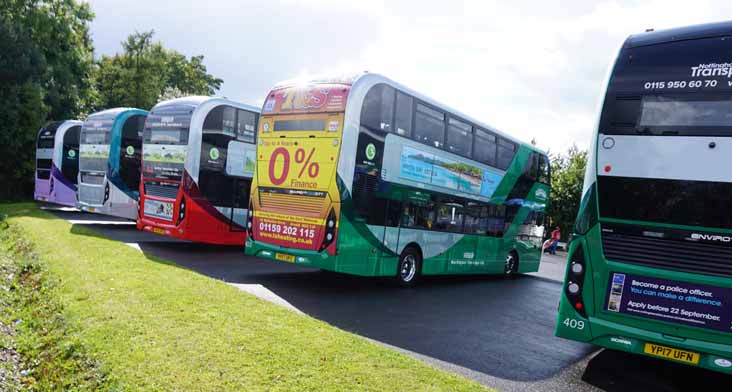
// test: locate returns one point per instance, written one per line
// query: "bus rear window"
(166, 136)
(94, 138)
(299, 125)
(667, 112)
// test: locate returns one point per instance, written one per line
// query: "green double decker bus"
(650, 262)
(364, 176)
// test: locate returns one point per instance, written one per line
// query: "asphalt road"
(496, 331)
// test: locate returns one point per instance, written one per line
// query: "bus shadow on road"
(617, 371)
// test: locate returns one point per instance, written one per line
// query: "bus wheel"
(410, 267)
(511, 267)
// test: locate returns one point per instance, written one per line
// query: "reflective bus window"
(215, 185)
(485, 147)
(544, 170)
(403, 115)
(246, 125)
(429, 126)
(43, 169)
(378, 108)
(131, 151)
(472, 220)
(220, 120)
(70, 159)
(506, 152)
(418, 216)
(449, 217)
(459, 137)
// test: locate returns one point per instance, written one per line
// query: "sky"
(533, 69)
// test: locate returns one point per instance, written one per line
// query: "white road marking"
(265, 294)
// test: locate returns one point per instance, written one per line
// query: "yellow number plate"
(91, 209)
(284, 257)
(671, 353)
(158, 230)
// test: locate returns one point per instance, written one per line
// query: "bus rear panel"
(198, 160)
(650, 265)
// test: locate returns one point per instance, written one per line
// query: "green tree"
(145, 71)
(45, 62)
(568, 172)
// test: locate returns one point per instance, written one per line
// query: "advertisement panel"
(415, 164)
(672, 301)
(296, 185)
(311, 99)
(163, 161)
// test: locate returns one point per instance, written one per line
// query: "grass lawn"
(152, 325)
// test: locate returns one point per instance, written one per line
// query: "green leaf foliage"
(45, 64)
(568, 171)
(48, 72)
(145, 72)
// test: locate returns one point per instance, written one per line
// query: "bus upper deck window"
(459, 137)
(429, 126)
(485, 147)
(378, 108)
(403, 115)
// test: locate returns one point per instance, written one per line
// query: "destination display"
(673, 301)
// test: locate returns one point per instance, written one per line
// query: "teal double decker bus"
(364, 176)
(650, 263)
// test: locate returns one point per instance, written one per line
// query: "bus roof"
(112, 113)
(367, 80)
(196, 100)
(708, 30)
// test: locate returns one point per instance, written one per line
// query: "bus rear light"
(182, 210)
(573, 288)
(575, 280)
(250, 219)
(329, 230)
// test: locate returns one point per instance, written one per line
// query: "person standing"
(556, 235)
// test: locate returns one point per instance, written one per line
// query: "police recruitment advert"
(667, 300)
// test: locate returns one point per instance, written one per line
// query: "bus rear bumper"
(712, 356)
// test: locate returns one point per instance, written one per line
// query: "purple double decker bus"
(57, 163)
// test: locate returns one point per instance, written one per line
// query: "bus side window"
(506, 152)
(131, 151)
(218, 130)
(70, 160)
(378, 108)
(246, 125)
(472, 220)
(418, 216)
(485, 147)
(544, 170)
(393, 213)
(496, 220)
(449, 217)
(403, 115)
(459, 138)
(429, 126)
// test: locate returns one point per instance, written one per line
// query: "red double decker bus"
(198, 160)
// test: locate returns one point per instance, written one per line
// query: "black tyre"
(410, 267)
(510, 269)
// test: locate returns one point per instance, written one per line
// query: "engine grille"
(91, 194)
(165, 191)
(672, 254)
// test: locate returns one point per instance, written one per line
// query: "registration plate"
(158, 230)
(285, 257)
(91, 209)
(671, 353)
